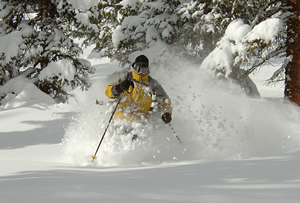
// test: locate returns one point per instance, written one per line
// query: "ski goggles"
(141, 68)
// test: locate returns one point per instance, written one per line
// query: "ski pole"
(174, 133)
(112, 115)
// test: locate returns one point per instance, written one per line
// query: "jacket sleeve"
(162, 98)
(110, 91)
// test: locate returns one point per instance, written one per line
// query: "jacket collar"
(140, 78)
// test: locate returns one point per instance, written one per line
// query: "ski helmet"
(141, 65)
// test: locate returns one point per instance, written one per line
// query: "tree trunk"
(292, 72)
(44, 5)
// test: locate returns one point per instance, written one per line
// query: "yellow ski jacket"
(146, 96)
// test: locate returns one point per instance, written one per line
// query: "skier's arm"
(166, 115)
(162, 98)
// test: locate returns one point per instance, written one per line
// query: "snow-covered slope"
(235, 149)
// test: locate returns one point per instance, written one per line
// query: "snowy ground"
(235, 149)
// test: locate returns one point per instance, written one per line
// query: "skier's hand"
(124, 86)
(166, 117)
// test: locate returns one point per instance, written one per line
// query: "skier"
(140, 94)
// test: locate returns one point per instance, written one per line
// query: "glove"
(124, 86)
(166, 117)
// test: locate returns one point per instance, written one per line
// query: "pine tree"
(102, 21)
(39, 34)
(201, 25)
(191, 28)
(142, 25)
